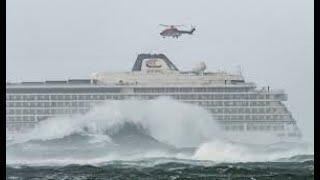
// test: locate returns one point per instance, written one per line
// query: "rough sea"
(161, 139)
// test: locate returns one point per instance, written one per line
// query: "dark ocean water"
(149, 169)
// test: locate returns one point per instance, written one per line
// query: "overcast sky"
(272, 40)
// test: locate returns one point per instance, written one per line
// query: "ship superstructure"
(238, 106)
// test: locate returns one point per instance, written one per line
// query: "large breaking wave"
(135, 129)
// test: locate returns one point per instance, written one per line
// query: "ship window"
(253, 96)
(226, 117)
(41, 97)
(268, 110)
(59, 97)
(18, 111)
(101, 97)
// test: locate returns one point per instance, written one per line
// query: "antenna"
(239, 70)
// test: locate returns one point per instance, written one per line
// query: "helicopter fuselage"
(175, 33)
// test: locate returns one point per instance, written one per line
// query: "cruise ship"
(239, 107)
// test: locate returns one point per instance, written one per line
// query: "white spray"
(167, 120)
(170, 121)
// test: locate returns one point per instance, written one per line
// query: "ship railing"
(278, 91)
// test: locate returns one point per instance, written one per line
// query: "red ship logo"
(153, 63)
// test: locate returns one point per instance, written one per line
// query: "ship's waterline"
(241, 110)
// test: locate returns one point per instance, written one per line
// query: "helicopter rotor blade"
(179, 25)
(164, 25)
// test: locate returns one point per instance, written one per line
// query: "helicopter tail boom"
(188, 32)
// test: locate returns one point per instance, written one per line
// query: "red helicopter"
(174, 32)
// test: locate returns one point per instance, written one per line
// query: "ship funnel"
(153, 62)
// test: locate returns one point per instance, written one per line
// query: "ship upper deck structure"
(237, 105)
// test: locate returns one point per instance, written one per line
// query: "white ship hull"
(243, 112)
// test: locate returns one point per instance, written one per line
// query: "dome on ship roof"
(200, 67)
